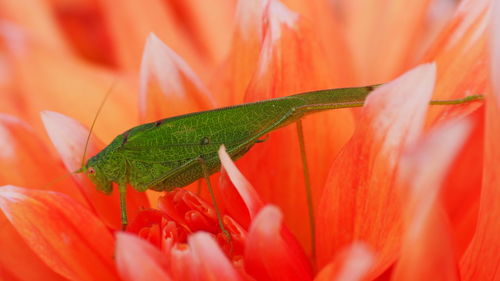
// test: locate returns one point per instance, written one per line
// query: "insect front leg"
(123, 204)
(206, 175)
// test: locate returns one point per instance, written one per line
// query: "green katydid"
(177, 151)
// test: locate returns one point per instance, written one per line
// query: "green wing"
(180, 139)
(164, 154)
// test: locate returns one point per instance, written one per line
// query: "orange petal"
(17, 260)
(209, 32)
(461, 55)
(131, 22)
(84, 29)
(384, 40)
(427, 251)
(292, 61)
(460, 192)
(177, 90)
(65, 235)
(232, 79)
(350, 264)
(481, 260)
(495, 51)
(181, 265)
(461, 52)
(68, 137)
(209, 261)
(268, 254)
(36, 18)
(138, 260)
(359, 201)
(26, 161)
(38, 68)
(245, 190)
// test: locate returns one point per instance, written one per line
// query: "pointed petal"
(35, 17)
(461, 52)
(65, 235)
(181, 263)
(18, 260)
(210, 261)
(209, 32)
(427, 251)
(383, 40)
(350, 264)
(359, 201)
(285, 67)
(85, 30)
(168, 86)
(68, 137)
(482, 258)
(51, 74)
(131, 22)
(495, 51)
(245, 190)
(268, 256)
(26, 161)
(138, 260)
(231, 80)
(460, 191)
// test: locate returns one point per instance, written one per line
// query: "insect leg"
(307, 181)
(123, 204)
(198, 188)
(206, 174)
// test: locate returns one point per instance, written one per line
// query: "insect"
(177, 151)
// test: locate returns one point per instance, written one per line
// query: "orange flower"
(402, 191)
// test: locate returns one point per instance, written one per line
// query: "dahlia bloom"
(402, 190)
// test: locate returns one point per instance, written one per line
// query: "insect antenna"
(99, 109)
(58, 179)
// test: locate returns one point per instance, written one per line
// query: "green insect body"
(177, 151)
(164, 154)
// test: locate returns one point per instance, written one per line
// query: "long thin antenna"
(57, 180)
(93, 124)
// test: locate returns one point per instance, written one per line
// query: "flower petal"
(461, 55)
(208, 259)
(178, 89)
(461, 52)
(495, 51)
(36, 17)
(52, 74)
(245, 190)
(360, 202)
(231, 81)
(269, 255)
(26, 161)
(482, 258)
(382, 39)
(292, 61)
(427, 251)
(181, 264)
(138, 260)
(68, 137)
(350, 264)
(65, 235)
(17, 260)
(131, 22)
(460, 192)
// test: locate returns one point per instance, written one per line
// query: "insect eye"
(91, 171)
